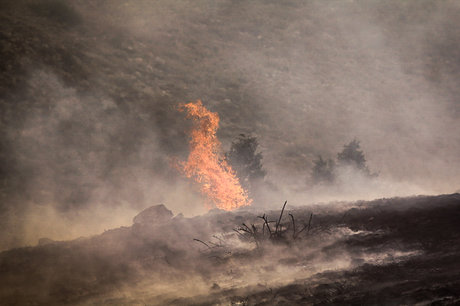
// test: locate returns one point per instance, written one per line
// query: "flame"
(206, 163)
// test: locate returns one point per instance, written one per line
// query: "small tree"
(245, 160)
(323, 170)
(351, 155)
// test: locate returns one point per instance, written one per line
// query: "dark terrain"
(89, 126)
(396, 251)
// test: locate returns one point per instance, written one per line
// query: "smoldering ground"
(89, 120)
(385, 246)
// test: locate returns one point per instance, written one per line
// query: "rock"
(154, 214)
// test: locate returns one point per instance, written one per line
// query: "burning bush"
(206, 163)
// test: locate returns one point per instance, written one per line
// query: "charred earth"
(385, 252)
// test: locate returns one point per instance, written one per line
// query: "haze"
(89, 102)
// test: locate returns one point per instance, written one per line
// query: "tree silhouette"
(245, 160)
(351, 155)
(323, 170)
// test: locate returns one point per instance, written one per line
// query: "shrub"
(323, 170)
(351, 155)
(245, 160)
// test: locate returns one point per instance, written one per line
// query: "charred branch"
(279, 220)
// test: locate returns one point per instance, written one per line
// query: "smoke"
(339, 70)
(88, 139)
(308, 77)
(87, 166)
(228, 263)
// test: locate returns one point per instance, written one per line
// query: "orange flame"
(206, 164)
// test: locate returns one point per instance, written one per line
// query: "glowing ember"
(206, 163)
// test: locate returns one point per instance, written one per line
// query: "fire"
(207, 165)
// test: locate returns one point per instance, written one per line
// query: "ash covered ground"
(399, 251)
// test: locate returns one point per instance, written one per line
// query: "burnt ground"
(268, 68)
(399, 251)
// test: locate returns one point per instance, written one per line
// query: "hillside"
(385, 252)
(89, 93)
